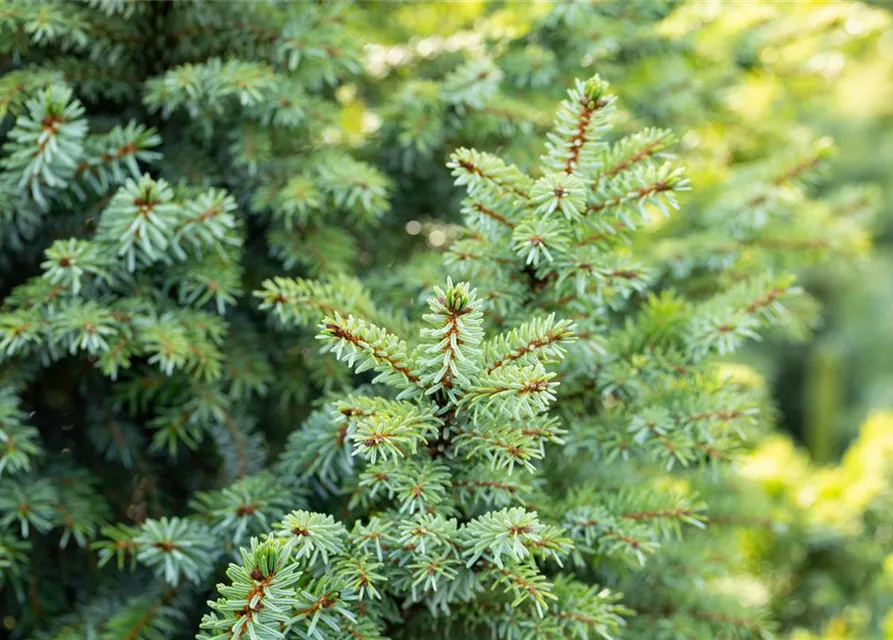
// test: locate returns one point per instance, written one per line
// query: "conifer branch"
(630, 152)
(450, 347)
(516, 390)
(487, 175)
(369, 347)
(574, 144)
(539, 340)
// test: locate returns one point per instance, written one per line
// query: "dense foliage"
(228, 359)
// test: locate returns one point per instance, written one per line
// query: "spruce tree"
(527, 467)
(538, 434)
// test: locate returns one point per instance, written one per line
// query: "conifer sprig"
(46, 143)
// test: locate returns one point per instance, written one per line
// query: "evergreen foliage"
(158, 161)
(477, 475)
(224, 364)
